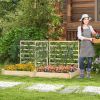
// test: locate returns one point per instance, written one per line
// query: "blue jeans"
(81, 63)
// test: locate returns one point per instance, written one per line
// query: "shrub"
(96, 65)
(9, 43)
(96, 62)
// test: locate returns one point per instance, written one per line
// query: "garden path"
(59, 88)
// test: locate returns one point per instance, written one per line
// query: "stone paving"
(70, 89)
(92, 89)
(4, 84)
(42, 87)
(45, 87)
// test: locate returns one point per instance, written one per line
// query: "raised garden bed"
(41, 74)
(19, 70)
(51, 71)
(18, 73)
(49, 58)
(57, 75)
(68, 71)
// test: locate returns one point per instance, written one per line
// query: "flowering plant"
(96, 64)
(57, 69)
(20, 67)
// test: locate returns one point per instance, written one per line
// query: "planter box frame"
(41, 74)
(18, 73)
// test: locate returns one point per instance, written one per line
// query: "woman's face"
(86, 21)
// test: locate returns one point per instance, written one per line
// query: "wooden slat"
(83, 6)
(82, 9)
(83, 0)
(78, 16)
(69, 10)
(83, 12)
(74, 25)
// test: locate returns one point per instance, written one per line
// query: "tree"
(30, 19)
(7, 14)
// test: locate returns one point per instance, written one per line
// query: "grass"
(31, 95)
(19, 92)
(13, 94)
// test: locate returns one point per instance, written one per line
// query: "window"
(98, 10)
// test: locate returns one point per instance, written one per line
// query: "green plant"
(96, 64)
(97, 50)
(55, 35)
(20, 67)
(63, 53)
(96, 61)
(9, 43)
(97, 36)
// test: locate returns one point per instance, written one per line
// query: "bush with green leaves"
(97, 50)
(9, 43)
(96, 61)
(30, 19)
(30, 13)
(96, 65)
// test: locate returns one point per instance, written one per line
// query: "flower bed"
(59, 69)
(20, 67)
(57, 72)
(20, 70)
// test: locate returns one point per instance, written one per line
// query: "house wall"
(80, 7)
(72, 11)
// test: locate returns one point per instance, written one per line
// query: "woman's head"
(85, 19)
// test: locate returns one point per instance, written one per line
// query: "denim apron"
(86, 46)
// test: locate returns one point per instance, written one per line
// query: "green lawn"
(19, 92)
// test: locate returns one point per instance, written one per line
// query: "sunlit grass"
(20, 93)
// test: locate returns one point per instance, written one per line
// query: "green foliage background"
(25, 19)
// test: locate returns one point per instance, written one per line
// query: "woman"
(85, 32)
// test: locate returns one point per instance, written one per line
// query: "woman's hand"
(91, 39)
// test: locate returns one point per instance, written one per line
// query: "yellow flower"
(21, 67)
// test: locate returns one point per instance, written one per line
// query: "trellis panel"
(44, 53)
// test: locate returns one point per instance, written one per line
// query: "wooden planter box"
(57, 75)
(40, 74)
(96, 40)
(18, 73)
